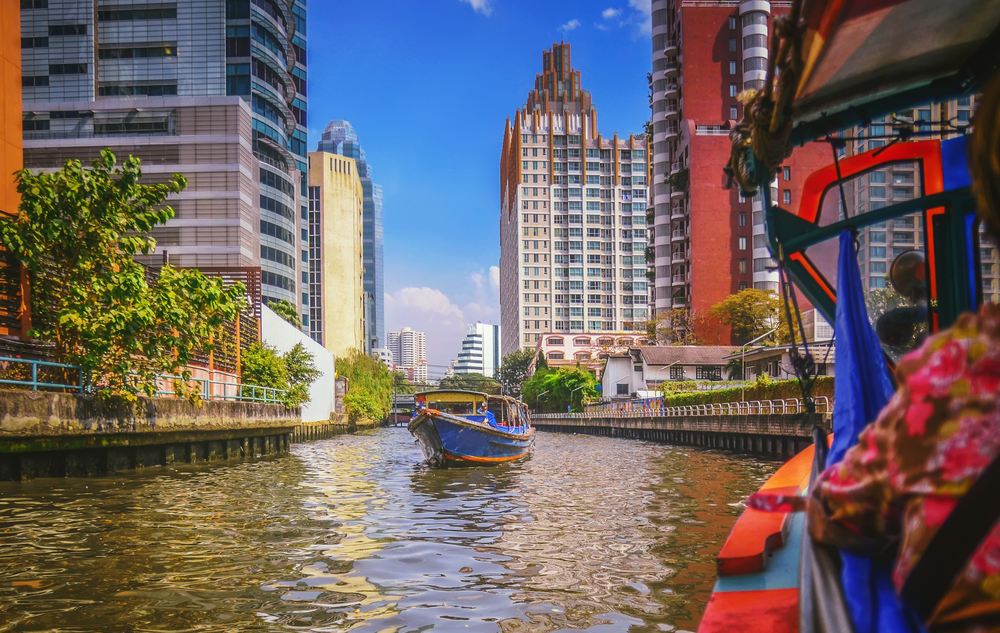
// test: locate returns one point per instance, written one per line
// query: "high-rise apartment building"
(709, 241)
(336, 271)
(211, 89)
(573, 230)
(480, 351)
(339, 137)
(409, 351)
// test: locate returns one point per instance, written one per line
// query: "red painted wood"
(774, 611)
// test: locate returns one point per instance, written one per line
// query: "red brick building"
(709, 241)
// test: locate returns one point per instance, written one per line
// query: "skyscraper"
(480, 352)
(212, 89)
(709, 241)
(409, 351)
(337, 295)
(339, 137)
(573, 218)
(10, 107)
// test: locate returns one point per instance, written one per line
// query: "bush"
(369, 387)
(293, 372)
(766, 389)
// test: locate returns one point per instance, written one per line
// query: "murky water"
(354, 534)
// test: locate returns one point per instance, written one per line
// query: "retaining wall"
(44, 434)
(777, 435)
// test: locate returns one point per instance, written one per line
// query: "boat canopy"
(450, 395)
(862, 59)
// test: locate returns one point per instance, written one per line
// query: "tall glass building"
(211, 89)
(339, 137)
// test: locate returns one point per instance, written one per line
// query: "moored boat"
(455, 427)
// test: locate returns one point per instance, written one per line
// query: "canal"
(354, 534)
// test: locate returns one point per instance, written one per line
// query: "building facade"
(480, 352)
(336, 273)
(584, 350)
(641, 370)
(211, 89)
(573, 224)
(339, 137)
(409, 350)
(11, 158)
(709, 241)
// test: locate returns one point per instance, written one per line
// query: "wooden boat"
(455, 427)
(771, 577)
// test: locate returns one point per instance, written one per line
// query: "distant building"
(409, 349)
(480, 351)
(573, 220)
(646, 368)
(339, 137)
(337, 295)
(586, 350)
(776, 361)
(384, 354)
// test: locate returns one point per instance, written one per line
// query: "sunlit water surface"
(355, 534)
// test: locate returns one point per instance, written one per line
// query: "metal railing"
(45, 375)
(778, 406)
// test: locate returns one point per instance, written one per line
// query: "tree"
(471, 382)
(402, 384)
(262, 366)
(302, 372)
(555, 390)
(286, 311)
(514, 371)
(677, 326)
(749, 313)
(76, 234)
(369, 387)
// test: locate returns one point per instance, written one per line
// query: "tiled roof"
(686, 354)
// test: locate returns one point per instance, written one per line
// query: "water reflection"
(354, 534)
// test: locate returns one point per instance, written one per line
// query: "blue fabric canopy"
(862, 388)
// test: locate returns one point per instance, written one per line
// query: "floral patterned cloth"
(910, 467)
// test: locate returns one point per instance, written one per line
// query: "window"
(732, 68)
(68, 29)
(34, 81)
(708, 372)
(743, 243)
(621, 389)
(756, 40)
(732, 23)
(877, 237)
(876, 282)
(876, 252)
(34, 42)
(581, 341)
(67, 69)
(34, 4)
(733, 90)
(138, 12)
(877, 267)
(555, 356)
(876, 177)
(786, 173)
(138, 52)
(126, 90)
(732, 45)
(786, 196)
(743, 219)
(677, 372)
(35, 125)
(733, 113)
(743, 266)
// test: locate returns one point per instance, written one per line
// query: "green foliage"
(369, 387)
(471, 382)
(76, 233)
(514, 371)
(292, 372)
(286, 311)
(763, 389)
(750, 313)
(679, 181)
(882, 300)
(301, 368)
(554, 390)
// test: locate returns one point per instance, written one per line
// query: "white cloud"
(609, 13)
(495, 279)
(429, 300)
(644, 19)
(480, 6)
(569, 26)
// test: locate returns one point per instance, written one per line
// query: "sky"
(428, 85)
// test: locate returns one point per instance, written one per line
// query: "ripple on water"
(355, 534)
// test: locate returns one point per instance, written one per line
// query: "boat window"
(892, 254)
(497, 409)
(454, 408)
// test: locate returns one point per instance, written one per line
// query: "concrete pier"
(777, 435)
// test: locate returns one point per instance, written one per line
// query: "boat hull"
(450, 440)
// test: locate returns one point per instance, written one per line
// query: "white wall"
(619, 370)
(283, 336)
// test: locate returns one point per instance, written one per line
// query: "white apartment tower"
(573, 234)
(409, 351)
(480, 351)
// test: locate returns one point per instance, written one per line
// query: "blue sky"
(428, 85)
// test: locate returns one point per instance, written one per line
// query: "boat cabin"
(455, 402)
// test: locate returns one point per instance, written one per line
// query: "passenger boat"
(847, 63)
(456, 427)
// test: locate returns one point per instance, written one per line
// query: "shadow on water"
(355, 534)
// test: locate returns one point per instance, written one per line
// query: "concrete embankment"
(45, 434)
(772, 435)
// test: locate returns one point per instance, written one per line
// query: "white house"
(645, 368)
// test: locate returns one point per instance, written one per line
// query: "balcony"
(676, 166)
(678, 210)
(671, 108)
(670, 89)
(679, 301)
(670, 47)
(670, 66)
(680, 233)
(672, 129)
(678, 257)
